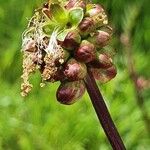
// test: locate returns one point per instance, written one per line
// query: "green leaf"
(63, 34)
(59, 14)
(76, 16)
(49, 28)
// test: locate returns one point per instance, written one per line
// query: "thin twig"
(103, 113)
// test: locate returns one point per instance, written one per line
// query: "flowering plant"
(62, 40)
(67, 42)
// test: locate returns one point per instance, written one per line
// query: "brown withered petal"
(72, 40)
(100, 39)
(69, 92)
(103, 61)
(30, 46)
(64, 58)
(104, 75)
(75, 70)
(86, 26)
(75, 3)
(86, 52)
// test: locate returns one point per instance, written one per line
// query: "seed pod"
(72, 40)
(102, 61)
(75, 70)
(76, 3)
(100, 39)
(104, 75)
(86, 26)
(69, 92)
(86, 52)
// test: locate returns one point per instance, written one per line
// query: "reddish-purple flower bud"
(104, 75)
(72, 40)
(93, 9)
(76, 3)
(97, 13)
(75, 70)
(103, 61)
(86, 52)
(69, 92)
(86, 26)
(100, 39)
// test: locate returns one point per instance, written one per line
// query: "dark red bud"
(103, 61)
(59, 75)
(75, 70)
(93, 9)
(76, 3)
(100, 39)
(104, 75)
(72, 40)
(98, 14)
(86, 26)
(86, 52)
(69, 92)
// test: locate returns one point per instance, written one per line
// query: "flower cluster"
(64, 39)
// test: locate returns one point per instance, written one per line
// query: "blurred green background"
(39, 122)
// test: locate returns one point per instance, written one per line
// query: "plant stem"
(134, 78)
(103, 113)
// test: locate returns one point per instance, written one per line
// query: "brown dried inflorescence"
(63, 40)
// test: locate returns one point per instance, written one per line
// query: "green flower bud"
(72, 40)
(104, 75)
(75, 70)
(69, 92)
(86, 26)
(100, 39)
(76, 3)
(86, 52)
(103, 61)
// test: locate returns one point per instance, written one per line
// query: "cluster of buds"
(63, 40)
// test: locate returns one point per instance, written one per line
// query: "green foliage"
(39, 121)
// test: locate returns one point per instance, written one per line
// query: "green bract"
(76, 16)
